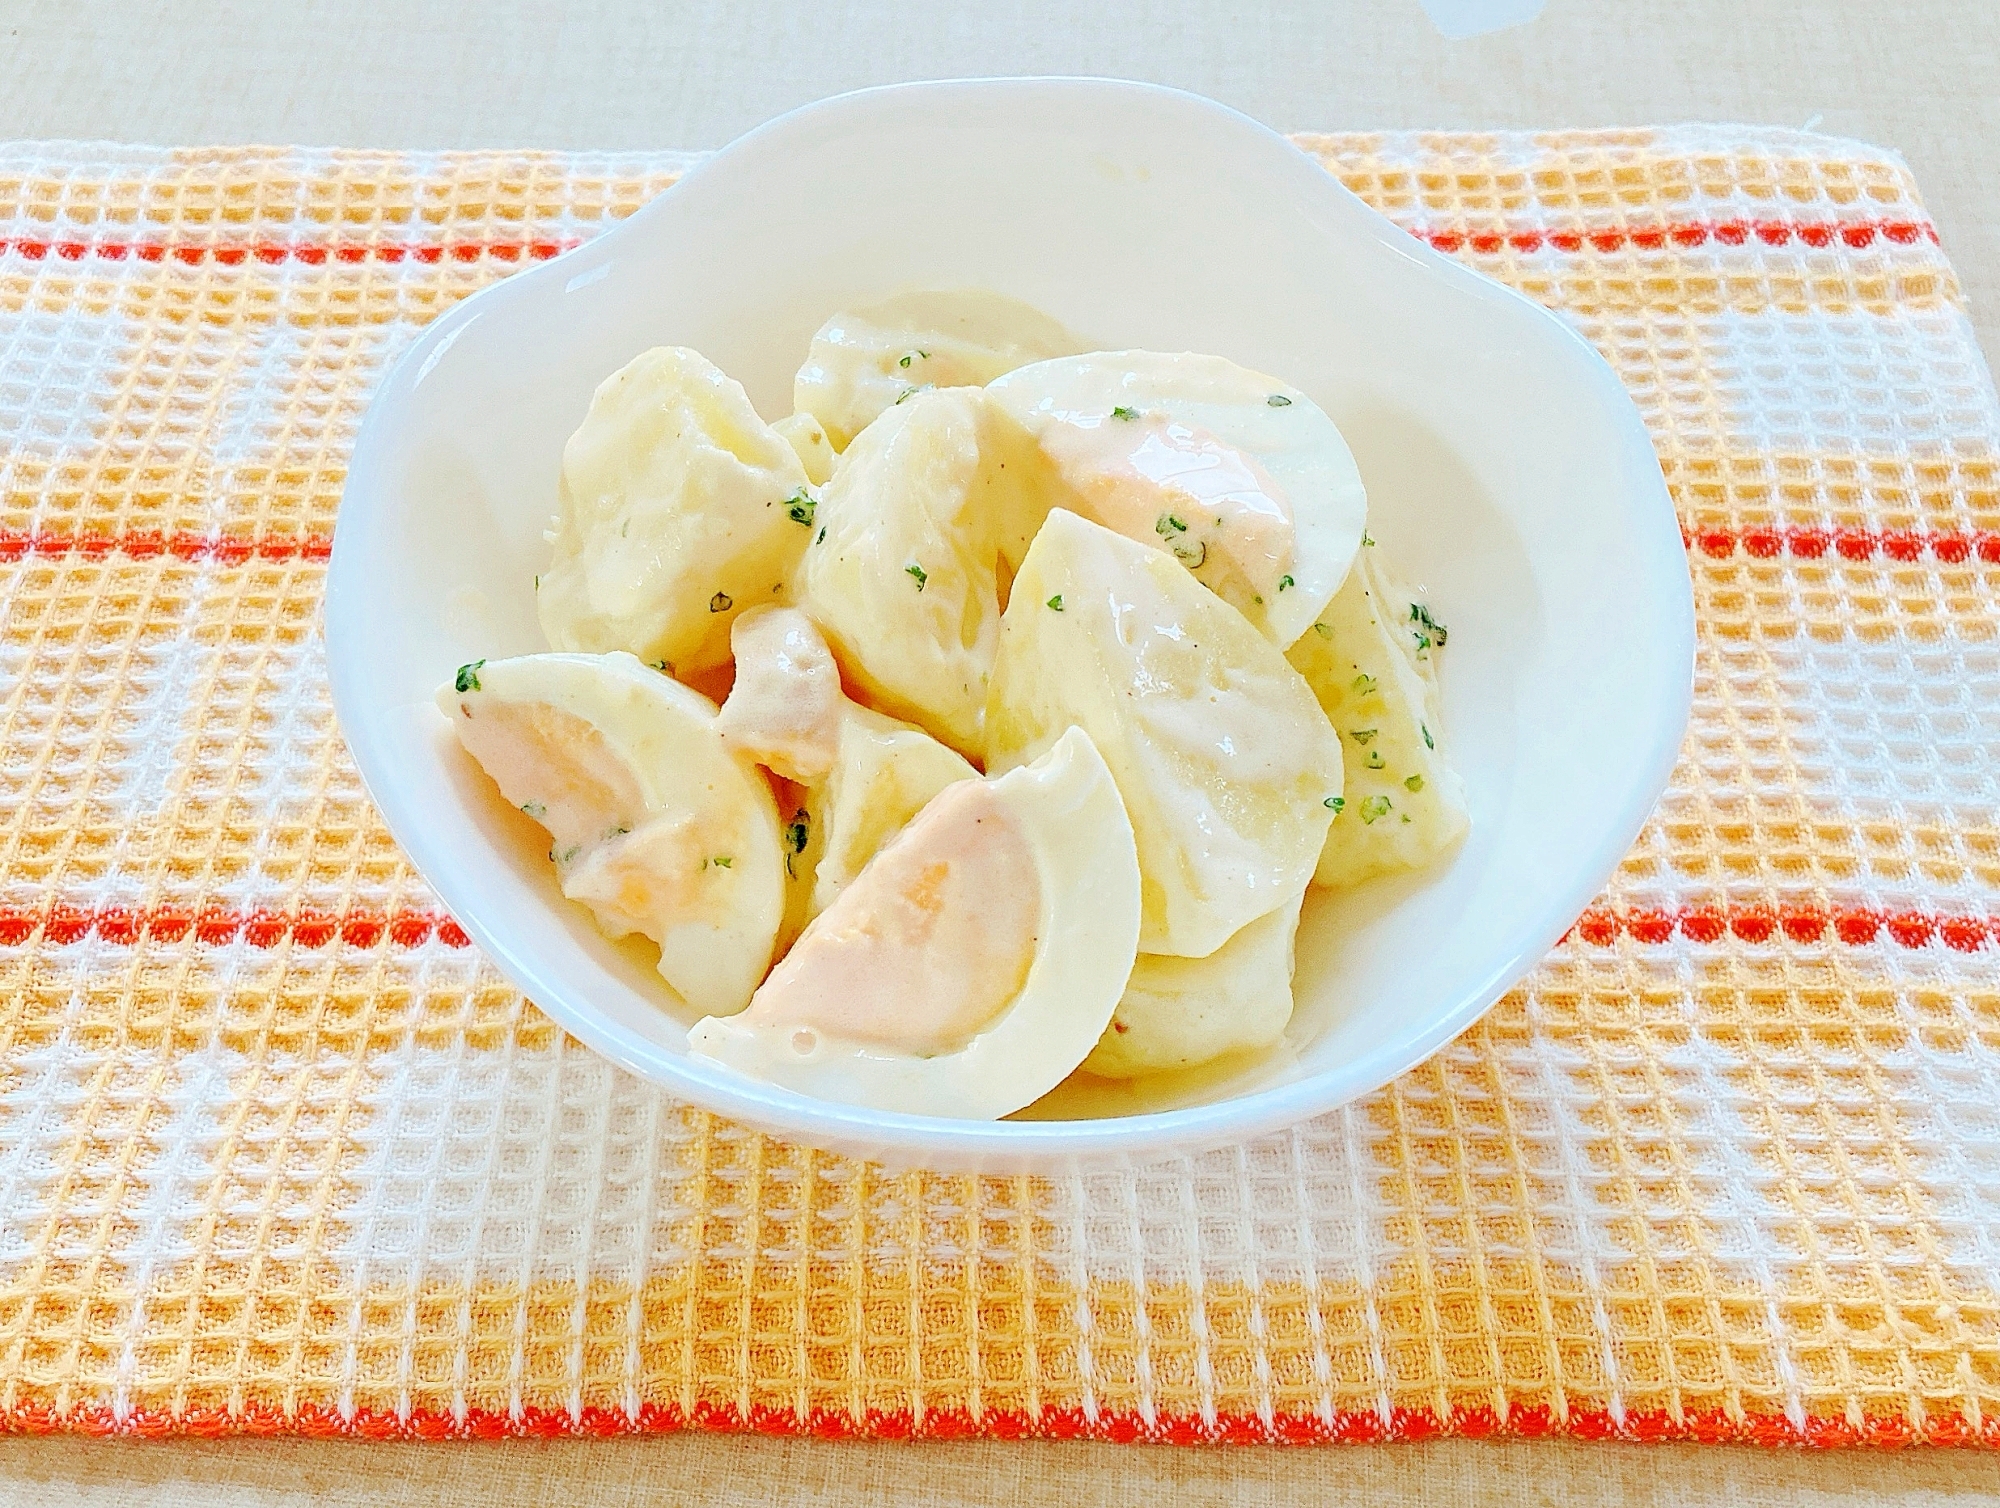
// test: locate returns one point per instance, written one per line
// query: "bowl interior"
(1508, 475)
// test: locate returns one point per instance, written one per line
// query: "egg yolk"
(554, 766)
(1179, 488)
(926, 947)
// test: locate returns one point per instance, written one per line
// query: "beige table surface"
(1920, 75)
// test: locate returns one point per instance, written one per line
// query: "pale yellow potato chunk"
(1224, 760)
(918, 532)
(679, 509)
(1181, 1012)
(864, 361)
(1371, 660)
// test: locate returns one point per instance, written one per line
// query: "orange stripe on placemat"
(1674, 235)
(147, 544)
(361, 928)
(1950, 546)
(1122, 1426)
(1853, 926)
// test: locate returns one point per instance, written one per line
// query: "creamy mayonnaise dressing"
(784, 709)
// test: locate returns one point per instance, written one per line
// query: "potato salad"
(983, 721)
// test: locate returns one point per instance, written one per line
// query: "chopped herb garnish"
(534, 809)
(1428, 742)
(799, 507)
(822, 535)
(719, 603)
(1055, 602)
(1190, 553)
(617, 832)
(1414, 783)
(797, 831)
(1365, 539)
(1122, 412)
(1364, 685)
(917, 573)
(468, 676)
(1374, 759)
(570, 853)
(1433, 631)
(1258, 600)
(662, 666)
(912, 391)
(1285, 583)
(1362, 735)
(720, 861)
(1324, 630)
(1374, 808)
(1279, 400)
(1167, 525)
(1335, 804)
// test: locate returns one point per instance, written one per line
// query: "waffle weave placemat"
(280, 1152)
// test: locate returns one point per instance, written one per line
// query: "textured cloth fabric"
(279, 1151)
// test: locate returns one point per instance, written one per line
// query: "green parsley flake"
(799, 830)
(1285, 583)
(1335, 804)
(1279, 400)
(1431, 631)
(917, 573)
(914, 355)
(720, 861)
(822, 535)
(1124, 413)
(1258, 600)
(1364, 685)
(534, 809)
(1362, 735)
(1374, 808)
(1414, 783)
(468, 676)
(570, 853)
(912, 391)
(1374, 760)
(663, 666)
(1324, 630)
(617, 832)
(1429, 743)
(720, 603)
(1055, 602)
(1365, 539)
(1167, 525)
(799, 507)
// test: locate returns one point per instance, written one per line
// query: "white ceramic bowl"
(1507, 472)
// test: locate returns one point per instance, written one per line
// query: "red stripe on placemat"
(1685, 235)
(1640, 1426)
(1666, 235)
(215, 926)
(147, 544)
(281, 253)
(1854, 926)
(1949, 546)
